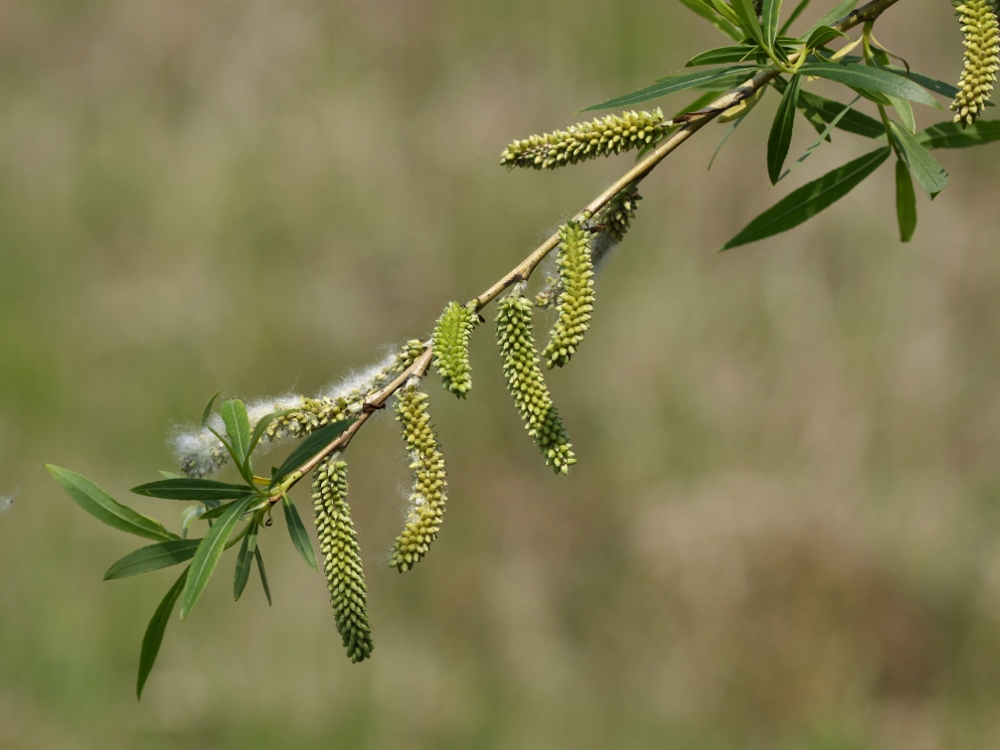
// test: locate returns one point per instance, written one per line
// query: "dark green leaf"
(770, 11)
(951, 134)
(670, 85)
(106, 509)
(207, 412)
(154, 632)
(211, 515)
(234, 414)
(840, 10)
(725, 10)
(190, 488)
(931, 84)
(263, 574)
(746, 16)
(153, 557)
(704, 10)
(208, 554)
(309, 447)
(853, 122)
(865, 79)
(780, 137)
(244, 561)
(809, 200)
(824, 135)
(300, 539)
(822, 35)
(906, 202)
(743, 53)
(930, 175)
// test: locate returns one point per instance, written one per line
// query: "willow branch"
(690, 123)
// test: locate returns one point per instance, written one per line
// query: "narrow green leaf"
(862, 78)
(188, 516)
(154, 632)
(208, 554)
(212, 514)
(207, 412)
(106, 509)
(951, 134)
(930, 175)
(263, 574)
(931, 84)
(244, 561)
(741, 53)
(853, 122)
(309, 447)
(810, 199)
(189, 488)
(770, 12)
(234, 414)
(670, 85)
(726, 11)
(906, 202)
(746, 16)
(905, 112)
(838, 11)
(706, 11)
(780, 137)
(824, 135)
(725, 138)
(300, 539)
(823, 35)
(153, 557)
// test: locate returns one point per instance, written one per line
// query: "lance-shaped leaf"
(208, 554)
(234, 414)
(297, 531)
(866, 79)
(853, 122)
(809, 200)
(153, 557)
(154, 632)
(770, 11)
(780, 137)
(952, 135)
(746, 15)
(741, 53)
(207, 412)
(244, 561)
(673, 84)
(706, 11)
(838, 11)
(310, 447)
(263, 574)
(930, 175)
(190, 488)
(906, 202)
(106, 509)
(824, 135)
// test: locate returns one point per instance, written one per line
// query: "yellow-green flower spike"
(602, 136)
(982, 59)
(429, 481)
(451, 347)
(342, 557)
(526, 384)
(576, 298)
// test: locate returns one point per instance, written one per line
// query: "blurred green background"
(784, 529)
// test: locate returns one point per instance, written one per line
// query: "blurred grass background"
(784, 528)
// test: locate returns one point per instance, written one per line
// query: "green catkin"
(342, 557)
(982, 59)
(602, 136)
(607, 229)
(427, 503)
(526, 384)
(451, 347)
(576, 298)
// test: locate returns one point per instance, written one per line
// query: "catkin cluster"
(586, 140)
(526, 384)
(342, 557)
(576, 298)
(451, 347)
(982, 48)
(427, 463)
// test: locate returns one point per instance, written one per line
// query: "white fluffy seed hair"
(359, 379)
